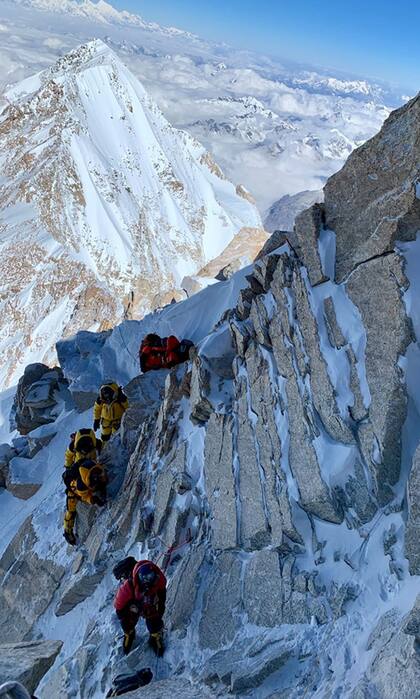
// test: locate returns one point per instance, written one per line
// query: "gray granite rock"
(412, 532)
(254, 525)
(220, 482)
(219, 619)
(359, 497)
(38, 394)
(27, 662)
(174, 688)
(201, 407)
(264, 398)
(36, 579)
(78, 589)
(335, 334)
(383, 278)
(314, 494)
(6, 455)
(323, 394)
(184, 588)
(394, 670)
(263, 589)
(412, 621)
(145, 394)
(372, 201)
(358, 411)
(308, 225)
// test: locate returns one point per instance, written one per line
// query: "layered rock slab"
(373, 202)
(28, 585)
(383, 278)
(27, 662)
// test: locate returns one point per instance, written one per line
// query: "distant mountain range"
(278, 127)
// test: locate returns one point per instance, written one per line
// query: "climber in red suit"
(142, 594)
(163, 353)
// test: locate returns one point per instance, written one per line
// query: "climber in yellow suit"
(84, 447)
(86, 480)
(108, 410)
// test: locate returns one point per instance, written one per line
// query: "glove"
(70, 538)
(128, 641)
(99, 500)
(96, 424)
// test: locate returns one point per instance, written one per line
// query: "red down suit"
(163, 353)
(131, 602)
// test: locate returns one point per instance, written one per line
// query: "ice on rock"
(274, 475)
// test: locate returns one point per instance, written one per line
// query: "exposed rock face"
(412, 534)
(6, 455)
(28, 585)
(27, 662)
(40, 394)
(395, 669)
(307, 229)
(383, 278)
(372, 201)
(276, 240)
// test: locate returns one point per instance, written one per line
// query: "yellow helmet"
(108, 392)
(85, 440)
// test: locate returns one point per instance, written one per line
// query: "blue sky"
(375, 38)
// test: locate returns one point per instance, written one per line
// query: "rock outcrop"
(41, 393)
(412, 534)
(27, 662)
(373, 201)
(35, 579)
(395, 667)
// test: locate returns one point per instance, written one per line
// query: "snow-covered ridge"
(101, 12)
(97, 182)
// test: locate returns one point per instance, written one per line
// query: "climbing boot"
(128, 641)
(70, 537)
(156, 643)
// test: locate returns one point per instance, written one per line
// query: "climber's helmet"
(146, 577)
(123, 570)
(107, 394)
(85, 445)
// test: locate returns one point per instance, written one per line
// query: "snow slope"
(114, 205)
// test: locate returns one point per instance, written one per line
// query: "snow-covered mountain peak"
(98, 183)
(100, 12)
(91, 54)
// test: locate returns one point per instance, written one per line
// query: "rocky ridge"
(275, 465)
